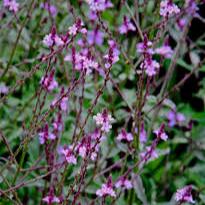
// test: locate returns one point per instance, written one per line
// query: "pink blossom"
(95, 37)
(145, 47)
(50, 8)
(12, 5)
(104, 120)
(3, 88)
(69, 156)
(81, 62)
(168, 8)
(45, 135)
(149, 153)
(184, 195)
(106, 189)
(160, 133)
(99, 5)
(73, 30)
(142, 134)
(48, 82)
(124, 183)
(151, 67)
(126, 26)
(123, 135)
(175, 118)
(52, 39)
(165, 51)
(51, 199)
(113, 54)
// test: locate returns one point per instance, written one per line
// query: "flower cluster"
(50, 8)
(45, 135)
(113, 54)
(184, 195)
(67, 153)
(123, 135)
(123, 183)
(104, 120)
(95, 37)
(151, 66)
(126, 26)
(160, 133)
(99, 5)
(12, 5)
(48, 81)
(165, 51)
(106, 189)
(175, 118)
(168, 8)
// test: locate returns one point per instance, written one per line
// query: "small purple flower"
(124, 183)
(95, 37)
(160, 133)
(52, 40)
(191, 6)
(12, 5)
(48, 82)
(104, 120)
(50, 8)
(50, 199)
(99, 5)
(45, 135)
(168, 8)
(175, 118)
(149, 153)
(165, 51)
(143, 134)
(106, 190)
(126, 26)
(113, 54)
(123, 135)
(151, 67)
(145, 47)
(69, 156)
(184, 195)
(3, 89)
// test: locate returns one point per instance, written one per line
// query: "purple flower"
(51, 199)
(126, 26)
(45, 135)
(95, 37)
(168, 8)
(123, 183)
(12, 5)
(113, 54)
(99, 5)
(81, 62)
(3, 89)
(184, 195)
(160, 133)
(149, 153)
(61, 101)
(123, 135)
(143, 134)
(104, 120)
(175, 118)
(106, 190)
(145, 47)
(50, 8)
(191, 6)
(165, 51)
(48, 82)
(68, 154)
(52, 39)
(151, 67)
